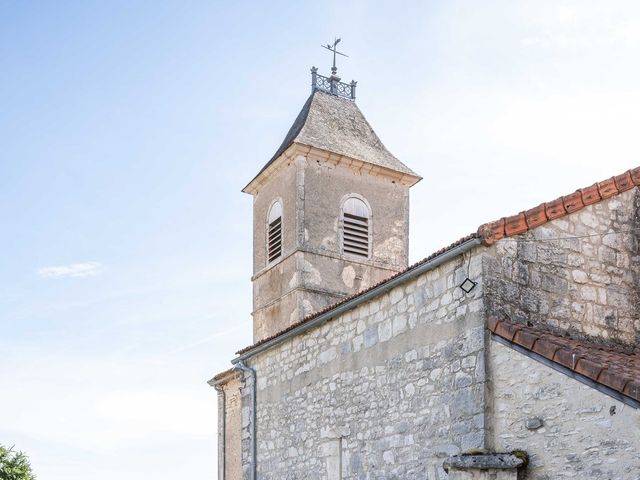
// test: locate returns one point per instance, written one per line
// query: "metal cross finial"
(332, 48)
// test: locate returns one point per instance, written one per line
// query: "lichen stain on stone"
(311, 274)
(307, 307)
(365, 281)
(393, 247)
(348, 275)
(328, 243)
(294, 280)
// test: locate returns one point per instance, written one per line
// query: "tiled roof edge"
(490, 233)
(328, 309)
(559, 351)
(545, 212)
(222, 377)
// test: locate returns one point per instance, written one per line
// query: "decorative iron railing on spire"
(332, 85)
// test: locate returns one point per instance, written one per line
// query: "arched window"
(356, 228)
(274, 232)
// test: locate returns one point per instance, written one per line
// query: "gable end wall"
(586, 286)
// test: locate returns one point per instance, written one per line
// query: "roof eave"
(362, 166)
(223, 377)
(462, 246)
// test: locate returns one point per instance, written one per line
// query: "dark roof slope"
(337, 125)
(613, 368)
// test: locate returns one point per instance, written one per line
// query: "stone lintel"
(486, 461)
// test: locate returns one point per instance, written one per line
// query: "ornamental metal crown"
(332, 85)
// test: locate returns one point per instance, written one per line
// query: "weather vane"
(332, 48)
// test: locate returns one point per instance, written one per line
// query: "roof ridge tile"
(510, 226)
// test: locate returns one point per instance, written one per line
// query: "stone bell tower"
(330, 211)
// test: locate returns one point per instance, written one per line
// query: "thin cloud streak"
(85, 269)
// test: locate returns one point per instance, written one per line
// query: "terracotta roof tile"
(614, 368)
(624, 182)
(590, 195)
(536, 216)
(491, 232)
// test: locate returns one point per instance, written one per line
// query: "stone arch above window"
(274, 232)
(356, 230)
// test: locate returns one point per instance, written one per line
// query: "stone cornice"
(358, 166)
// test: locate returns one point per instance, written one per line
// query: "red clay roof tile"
(493, 231)
(515, 225)
(555, 209)
(624, 182)
(614, 368)
(591, 195)
(608, 188)
(536, 216)
(573, 202)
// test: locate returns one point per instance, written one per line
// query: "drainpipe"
(252, 418)
(222, 429)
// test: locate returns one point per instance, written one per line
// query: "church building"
(510, 354)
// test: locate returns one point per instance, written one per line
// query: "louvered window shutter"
(275, 239)
(355, 228)
(274, 232)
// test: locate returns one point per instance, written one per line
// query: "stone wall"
(283, 187)
(312, 272)
(588, 286)
(232, 446)
(391, 388)
(574, 430)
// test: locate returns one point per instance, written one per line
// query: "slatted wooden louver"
(355, 228)
(275, 239)
(274, 234)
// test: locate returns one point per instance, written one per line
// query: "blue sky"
(129, 128)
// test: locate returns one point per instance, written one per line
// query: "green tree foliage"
(14, 465)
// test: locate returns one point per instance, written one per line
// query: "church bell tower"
(330, 211)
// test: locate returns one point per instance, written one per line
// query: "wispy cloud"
(84, 269)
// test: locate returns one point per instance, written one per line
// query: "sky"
(128, 129)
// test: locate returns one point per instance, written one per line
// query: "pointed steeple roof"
(334, 123)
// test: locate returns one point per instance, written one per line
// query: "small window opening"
(274, 234)
(355, 228)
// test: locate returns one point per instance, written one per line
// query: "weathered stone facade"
(313, 273)
(393, 387)
(413, 374)
(569, 275)
(229, 425)
(398, 383)
(568, 429)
